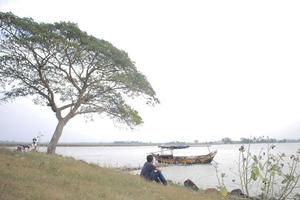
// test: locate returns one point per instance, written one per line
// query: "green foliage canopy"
(65, 68)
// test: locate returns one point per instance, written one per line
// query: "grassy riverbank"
(40, 176)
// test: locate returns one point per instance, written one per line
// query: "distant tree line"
(225, 140)
(262, 139)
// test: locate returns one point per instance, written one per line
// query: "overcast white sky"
(220, 68)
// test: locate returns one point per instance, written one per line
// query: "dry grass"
(40, 176)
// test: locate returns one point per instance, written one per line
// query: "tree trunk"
(57, 133)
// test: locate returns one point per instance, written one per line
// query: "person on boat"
(150, 172)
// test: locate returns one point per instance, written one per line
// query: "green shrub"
(274, 175)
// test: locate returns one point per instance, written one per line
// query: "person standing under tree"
(34, 144)
(150, 172)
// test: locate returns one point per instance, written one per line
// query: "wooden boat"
(183, 160)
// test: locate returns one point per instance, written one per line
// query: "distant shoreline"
(100, 145)
(11, 144)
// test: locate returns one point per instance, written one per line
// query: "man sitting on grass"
(150, 172)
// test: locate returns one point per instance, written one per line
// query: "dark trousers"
(158, 177)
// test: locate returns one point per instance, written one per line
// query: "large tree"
(68, 70)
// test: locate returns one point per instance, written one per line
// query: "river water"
(202, 175)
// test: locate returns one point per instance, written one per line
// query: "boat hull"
(185, 160)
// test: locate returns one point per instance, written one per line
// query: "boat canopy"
(171, 147)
